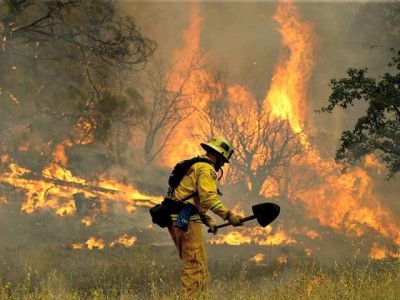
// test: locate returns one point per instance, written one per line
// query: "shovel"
(265, 213)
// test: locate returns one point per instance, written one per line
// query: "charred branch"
(55, 181)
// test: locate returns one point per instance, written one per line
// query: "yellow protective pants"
(192, 252)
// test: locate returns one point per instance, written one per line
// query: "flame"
(287, 94)
(282, 259)
(312, 234)
(93, 243)
(83, 133)
(53, 189)
(280, 237)
(342, 201)
(254, 235)
(379, 253)
(258, 258)
(314, 281)
(345, 202)
(237, 209)
(3, 200)
(124, 240)
(78, 246)
(308, 251)
(188, 72)
(372, 162)
(232, 238)
(88, 220)
(98, 243)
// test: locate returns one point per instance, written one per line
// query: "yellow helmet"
(219, 145)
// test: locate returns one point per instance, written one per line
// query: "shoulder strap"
(196, 160)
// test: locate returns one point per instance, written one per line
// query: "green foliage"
(379, 130)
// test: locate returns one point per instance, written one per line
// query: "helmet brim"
(211, 149)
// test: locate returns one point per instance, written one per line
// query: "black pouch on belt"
(161, 213)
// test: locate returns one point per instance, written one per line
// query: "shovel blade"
(266, 213)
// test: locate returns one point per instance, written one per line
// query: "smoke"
(241, 38)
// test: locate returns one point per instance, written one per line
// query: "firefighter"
(201, 178)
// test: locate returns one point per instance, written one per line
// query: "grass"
(150, 272)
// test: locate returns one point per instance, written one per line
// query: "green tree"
(379, 130)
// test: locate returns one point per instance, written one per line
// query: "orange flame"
(379, 253)
(93, 243)
(78, 246)
(282, 259)
(312, 234)
(88, 220)
(3, 200)
(53, 189)
(83, 132)
(258, 258)
(342, 201)
(287, 94)
(124, 240)
(188, 73)
(254, 235)
(372, 162)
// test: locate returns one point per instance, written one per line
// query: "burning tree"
(265, 145)
(166, 97)
(59, 69)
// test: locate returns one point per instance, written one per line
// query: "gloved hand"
(234, 219)
(212, 228)
(210, 223)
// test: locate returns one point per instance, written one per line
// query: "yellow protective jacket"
(201, 178)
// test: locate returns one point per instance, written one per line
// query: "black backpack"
(181, 168)
(161, 213)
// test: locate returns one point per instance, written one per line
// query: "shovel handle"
(245, 219)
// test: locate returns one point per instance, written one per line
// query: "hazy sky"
(242, 37)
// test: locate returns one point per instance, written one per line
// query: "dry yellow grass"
(153, 273)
